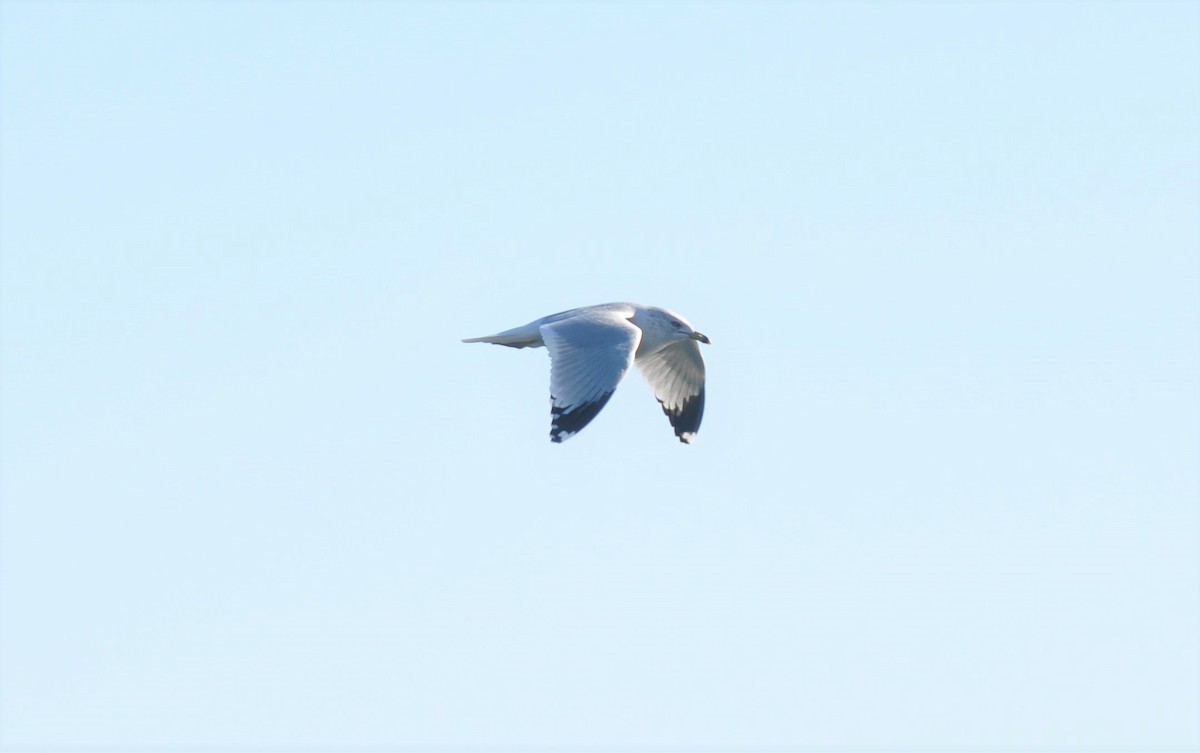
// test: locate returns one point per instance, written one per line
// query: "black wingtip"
(565, 423)
(686, 418)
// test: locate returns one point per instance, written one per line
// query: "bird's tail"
(513, 338)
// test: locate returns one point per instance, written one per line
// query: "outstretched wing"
(676, 376)
(589, 354)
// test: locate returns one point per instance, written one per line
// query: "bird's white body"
(592, 347)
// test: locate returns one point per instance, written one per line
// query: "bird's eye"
(676, 325)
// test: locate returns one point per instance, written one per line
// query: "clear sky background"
(257, 495)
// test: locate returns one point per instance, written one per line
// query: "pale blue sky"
(256, 493)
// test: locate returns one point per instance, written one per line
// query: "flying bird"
(592, 347)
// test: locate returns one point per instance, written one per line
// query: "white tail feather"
(511, 338)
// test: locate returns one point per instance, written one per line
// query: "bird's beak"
(701, 337)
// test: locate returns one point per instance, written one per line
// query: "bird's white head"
(661, 327)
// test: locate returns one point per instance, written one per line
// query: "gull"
(592, 347)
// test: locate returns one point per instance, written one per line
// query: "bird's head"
(661, 327)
